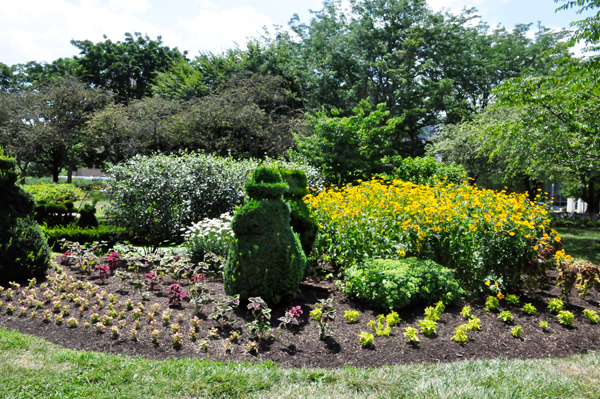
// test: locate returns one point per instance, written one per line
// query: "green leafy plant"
(366, 339)
(262, 317)
(352, 316)
(529, 309)
(591, 315)
(411, 334)
(223, 310)
(327, 315)
(555, 305)
(394, 284)
(566, 318)
(492, 303)
(392, 318)
(474, 324)
(460, 333)
(252, 346)
(466, 312)
(315, 314)
(203, 345)
(513, 299)
(381, 327)
(516, 331)
(427, 327)
(506, 316)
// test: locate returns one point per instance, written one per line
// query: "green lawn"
(32, 368)
(581, 242)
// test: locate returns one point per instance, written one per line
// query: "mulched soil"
(301, 345)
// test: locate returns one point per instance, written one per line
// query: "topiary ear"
(296, 180)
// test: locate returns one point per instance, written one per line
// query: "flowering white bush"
(155, 197)
(208, 235)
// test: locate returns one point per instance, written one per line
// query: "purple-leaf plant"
(103, 272)
(291, 318)
(153, 279)
(177, 294)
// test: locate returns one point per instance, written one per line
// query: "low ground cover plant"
(208, 236)
(482, 234)
(394, 284)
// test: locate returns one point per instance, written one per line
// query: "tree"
(588, 29)
(126, 68)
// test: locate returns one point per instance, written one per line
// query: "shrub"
(380, 327)
(424, 170)
(265, 258)
(591, 315)
(352, 316)
(366, 339)
(555, 305)
(566, 318)
(491, 303)
(302, 220)
(394, 284)
(155, 197)
(516, 331)
(482, 234)
(427, 327)
(529, 309)
(506, 316)
(87, 218)
(24, 253)
(110, 234)
(208, 236)
(55, 203)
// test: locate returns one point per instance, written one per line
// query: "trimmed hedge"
(110, 234)
(394, 284)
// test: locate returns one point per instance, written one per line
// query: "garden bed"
(300, 346)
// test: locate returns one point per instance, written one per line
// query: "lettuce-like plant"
(392, 318)
(352, 316)
(529, 309)
(491, 303)
(460, 333)
(513, 299)
(506, 316)
(366, 339)
(381, 328)
(566, 318)
(555, 305)
(516, 331)
(466, 312)
(474, 324)
(411, 334)
(427, 327)
(591, 315)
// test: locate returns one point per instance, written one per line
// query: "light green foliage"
(491, 303)
(591, 315)
(394, 284)
(474, 324)
(381, 327)
(555, 305)
(316, 314)
(155, 197)
(516, 331)
(265, 258)
(427, 327)
(411, 334)
(209, 236)
(529, 309)
(392, 318)
(544, 326)
(55, 193)
(466, 312)
(351, 316)
(566, 318)
(424, 170)
(513, 299)
(23, 251)
(460, 333)
(433, 313)
(587, 29)
(506, 316)
(366, 339)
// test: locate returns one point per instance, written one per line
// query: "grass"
(582, 242)
(31, 367)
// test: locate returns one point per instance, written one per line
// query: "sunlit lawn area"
(582, 242)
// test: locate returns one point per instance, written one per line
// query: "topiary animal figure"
(302, 221)
(87, 217)
(265, 257)
(24, 252)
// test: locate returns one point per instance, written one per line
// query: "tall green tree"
(126, 68)
(588, 29)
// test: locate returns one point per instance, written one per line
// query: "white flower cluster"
(209, 235)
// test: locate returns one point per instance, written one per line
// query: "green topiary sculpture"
(24, 252)
(302, 221)
(265, 258)
(87, 217)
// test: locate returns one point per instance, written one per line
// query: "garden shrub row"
(156, 197)
(110, 234)
(482, 234)
(55, 203)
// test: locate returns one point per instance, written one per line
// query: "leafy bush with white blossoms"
(155, 197)
(208, 235)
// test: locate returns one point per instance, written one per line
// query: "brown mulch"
(301, 345)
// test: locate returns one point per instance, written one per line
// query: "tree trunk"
(70, 172)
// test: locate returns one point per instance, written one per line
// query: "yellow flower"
(496, 283)
(500, 296)
(511, 233)
(557, 239)
(487, 283)
(535, 248)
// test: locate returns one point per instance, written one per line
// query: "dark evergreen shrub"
(265, 258)
(303, 222)
(54, 214)
(87, 217)
(111, 235)
(23, 251)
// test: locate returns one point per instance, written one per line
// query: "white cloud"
(129, 6)
(217, 30)
(206, 4)
(41, 30)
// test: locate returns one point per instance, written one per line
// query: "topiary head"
(296, 180)
(266, 183)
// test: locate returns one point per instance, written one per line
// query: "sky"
(41, 30)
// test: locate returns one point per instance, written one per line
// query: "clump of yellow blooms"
(478, 232)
